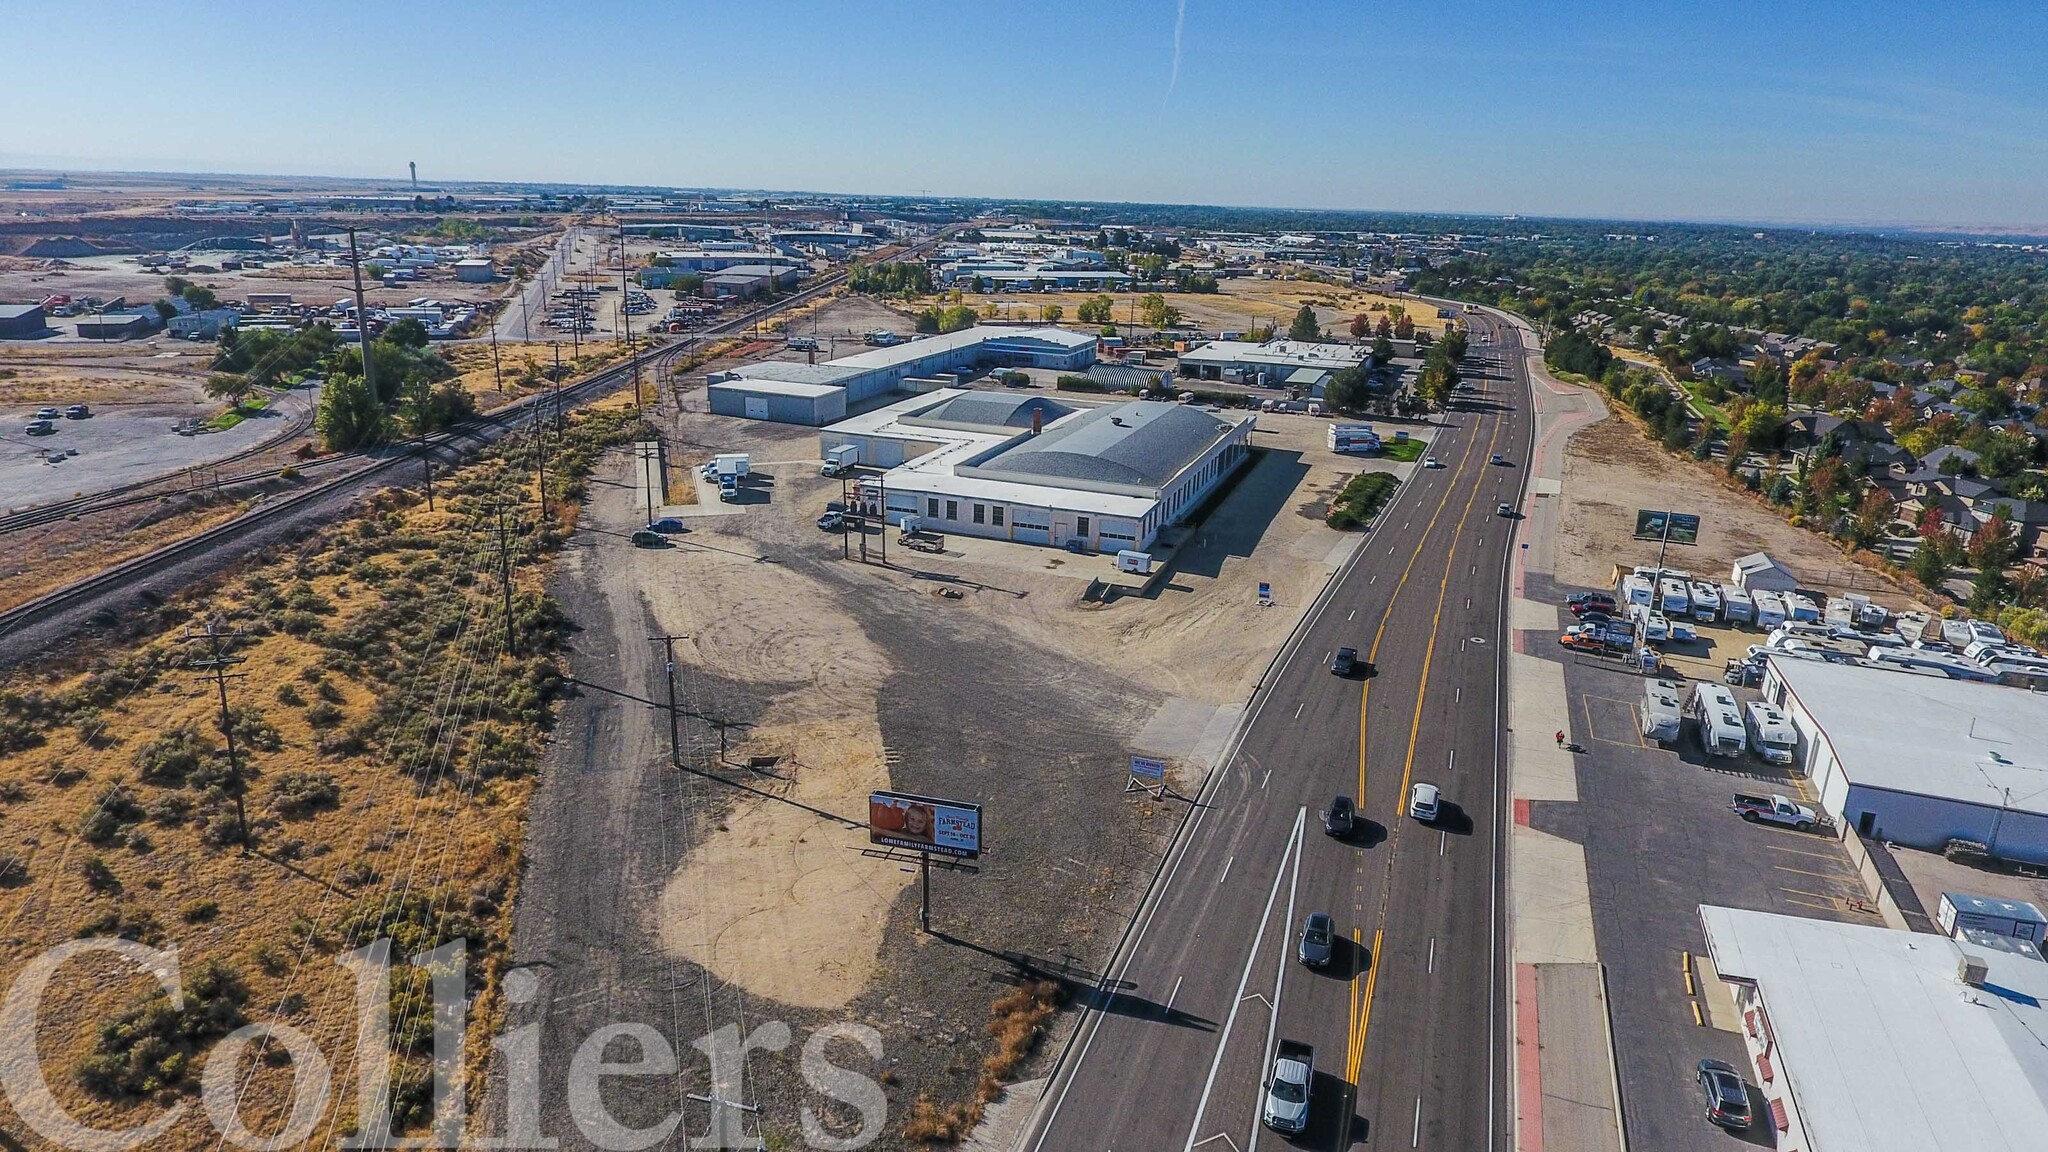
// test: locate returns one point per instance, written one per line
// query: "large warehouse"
(1920, 760)
(21, 320)
(797, 393)
(1274, 362)
(1037, 471)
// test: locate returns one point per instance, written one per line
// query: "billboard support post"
(924, 910)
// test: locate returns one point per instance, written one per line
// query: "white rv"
(1770, 609)
(1706, 603)
(1638, 590)
(1720, 721)
(1918, 626)
(1771, 735)
(1736, 605)
(1655, 627)
(1672, 597)
(1800, 607)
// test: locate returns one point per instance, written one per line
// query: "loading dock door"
(1025, 528)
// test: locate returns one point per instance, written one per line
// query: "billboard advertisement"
(1651, 524)
(924, 824)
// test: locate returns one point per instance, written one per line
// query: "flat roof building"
(1270, 363)
(21, 320)
(475, 271)
(1920, 759)
(1868, 1039)
(1036, 470)
(865, 376)
(116, 325)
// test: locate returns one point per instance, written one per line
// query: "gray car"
(1727, 1096)
(1316, 940)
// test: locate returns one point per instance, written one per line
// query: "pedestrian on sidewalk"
(1560, 737)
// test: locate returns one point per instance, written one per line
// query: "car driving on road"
(1315, 945)
(1345, 662)
(1424, 801)
(1339, 818)
(1431, 462)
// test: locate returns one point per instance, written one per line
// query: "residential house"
(1727, 371)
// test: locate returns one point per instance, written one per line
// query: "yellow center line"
(1364, 1014)
(1355, 1058)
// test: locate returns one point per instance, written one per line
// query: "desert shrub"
(288, 693)
(199, 912)
(295, 794)
(323, 715)
(13, 870)
(150, 1047)
(126, 922)
(1361, 500)
(111, 814)
(171, 757)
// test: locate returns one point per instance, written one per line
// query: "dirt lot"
(1612, 469)
(717, 903)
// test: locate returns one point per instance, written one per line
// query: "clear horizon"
(1879, 115)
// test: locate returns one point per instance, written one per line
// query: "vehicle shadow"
(1453, 819)
(1364, 834)
(1761, 1133)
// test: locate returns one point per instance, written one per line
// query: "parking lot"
(1660, 840)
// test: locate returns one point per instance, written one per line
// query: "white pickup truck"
(1775, 809)
(1287, 1089)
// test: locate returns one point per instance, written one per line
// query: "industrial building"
(1920, 759)
(1038, 471)
(202, 325)
(117, 325)
(1868, 1039)
(1272, 364)
(475, 271)
(749, 280)
(1757, 572)
(18, 321)
(815, 394)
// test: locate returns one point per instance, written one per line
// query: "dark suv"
(1345, 662)
(1727, 1096)
(1340, 817)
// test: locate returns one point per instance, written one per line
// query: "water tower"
(414, 167)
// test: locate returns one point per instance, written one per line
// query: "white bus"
(1720, 721)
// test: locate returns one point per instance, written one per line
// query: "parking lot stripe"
(1799, 851)
(1804, 872)
(1810, 904)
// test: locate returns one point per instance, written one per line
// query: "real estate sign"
(925, 824)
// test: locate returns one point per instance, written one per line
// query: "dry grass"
(1017, 1021)
(522, 368)
(390, 750)
(1237, 305)
(42, 560)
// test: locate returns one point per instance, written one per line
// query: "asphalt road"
(1409, 1021)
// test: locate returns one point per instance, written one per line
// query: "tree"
(1404, 328)
(1053, 313)
(1348, 389)
(1156, 312)
(407, 333)
(1361, 326)
(165, 310)
(1991, 545)
(176, 285)
(201, 299)
(1306, 327)
(349, 415)
(1928, 565)
(1382, 350)
(1872, 514)
(232, 387)
(1096, 310)
(1385, 328)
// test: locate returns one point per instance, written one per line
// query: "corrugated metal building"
(783, 401)
(19, 320)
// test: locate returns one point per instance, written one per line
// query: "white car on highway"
(1431, 462)
(1424, 801)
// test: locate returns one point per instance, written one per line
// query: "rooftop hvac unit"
(1973, 970)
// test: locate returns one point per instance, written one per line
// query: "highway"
(1410, 1020)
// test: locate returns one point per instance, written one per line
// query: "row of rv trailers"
(1726, 728)
(1678, 596)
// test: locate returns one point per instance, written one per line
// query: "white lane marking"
(1226, 870)
(1178, 979)
(1298, 708)
(1443, 839)
(1415, 1138)
(1457, 695)
(1251, 1139)
(1250, 957)
(1353, 615)
(1432, 968)
(1374, 579)
(1264, 780)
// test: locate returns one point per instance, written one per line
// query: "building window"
(931, 507)
(979, 512)
(952, 509)
(1081, 525)
(996, 515)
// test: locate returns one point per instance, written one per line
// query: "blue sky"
(1820, 111)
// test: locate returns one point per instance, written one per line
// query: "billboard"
(924, 824)
(1651, 524)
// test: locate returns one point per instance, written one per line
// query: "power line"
(215, 667)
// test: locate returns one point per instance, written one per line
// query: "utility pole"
(215, 667)
(428, 462)
(675, 746)
(626, 318)
(505, 575)
(497, 371)
(362, 315)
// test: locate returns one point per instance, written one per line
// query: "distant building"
(204, 325)
(1757, 572)
(1270, 364)
(1868, 1039)
(117, 325)
(748, 280)
(475, 271)
(18, 321)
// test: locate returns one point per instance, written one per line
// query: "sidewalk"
(1564, 1077)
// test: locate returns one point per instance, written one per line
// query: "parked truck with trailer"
(840, 459)
(1288, 1087)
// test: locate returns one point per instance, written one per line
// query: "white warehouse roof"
(1881, 1045)
(1278, 353)
(1928, 735)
